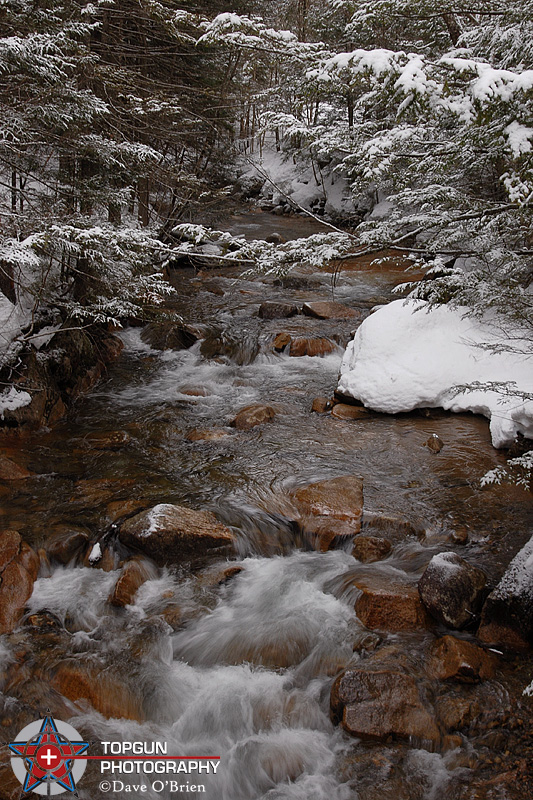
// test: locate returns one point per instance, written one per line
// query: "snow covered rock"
(507, 616)
(451, 589)
(405, 356)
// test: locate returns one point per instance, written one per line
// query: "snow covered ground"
(405, 356)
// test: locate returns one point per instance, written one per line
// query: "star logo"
(46, 757)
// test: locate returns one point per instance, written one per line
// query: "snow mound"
(405, 356)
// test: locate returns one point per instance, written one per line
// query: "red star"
(47, 757)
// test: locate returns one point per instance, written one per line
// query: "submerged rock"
(459, 660)
(172, 534)
(377, 700)
(452, 589)
(340, 498)
(368, 549)
(330, 310)
(19, 566)
(207, 435)
(250, 416)
(345, 411)
(66, 542)
(309, 346)
(168, 335)
(507, 616)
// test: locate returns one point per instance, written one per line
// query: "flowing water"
(245, 668)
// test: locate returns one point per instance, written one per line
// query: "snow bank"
(11, 399)
(405, 357)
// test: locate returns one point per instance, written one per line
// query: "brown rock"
(273, 310)
(319, 346)
(326, 533)
(452, 589)
(343, 411)
(208, 435)
(9, 471)
(194, 391)
(321, 405)
(172, 534)
(19, 565)
(107, 693)
(123, 508)
(281, 341)
(134, 573)
(340, 498)
(368, 549)
(66, 543)
(434, 443)
(395, 528)
(329, 310)
(456, 713)
(376, 703)
(390, 604)
(460, 660)
(503, 635)
(250, 416)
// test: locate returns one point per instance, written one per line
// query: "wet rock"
(368, 549)
(275, 238)
(375, 702)
(207, 435)
(111, 440)
(340, 498)
(213, 288)
(134, 573)
(171, 534)
(194, 391)
(169, 335)
(326, 533)
(281, 341)
(330, 310)
(452, 589)
(297, 282)
(10, 471)
(106, 691)
(507, 616)
(273, 310)
(94, 491)
(19, 565)
(124, 508)
(344, 411)
(66, 543)
(459, 536)
(455, 712)
(396, 528)
(321, 405)
(434, 443)
(388, 603)
(303, 346)
(460, 660)
(250, 416)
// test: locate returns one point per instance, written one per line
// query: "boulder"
(340, 498)
(273, 310)
(134, 573)
(171, 534)
(318, 346)
(344, 411)
(281, 341)
(168, 335)
(507, 616)
(330, 310)
(250, 416)
(452, 589)
(368, 549)
(19, 566)
(10, 471)
(207, 435)
(390, 604)
(375, 701)
(321, 405)
(460, 660)
(107, 693)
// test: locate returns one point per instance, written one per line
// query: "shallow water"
(247, 674)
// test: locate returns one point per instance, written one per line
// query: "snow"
(446, 562)
(405, 356)
(95, 554)
(518, 578)
(519, 136)
(156, 514)
(12, 399)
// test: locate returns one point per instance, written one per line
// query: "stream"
(241, 667)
